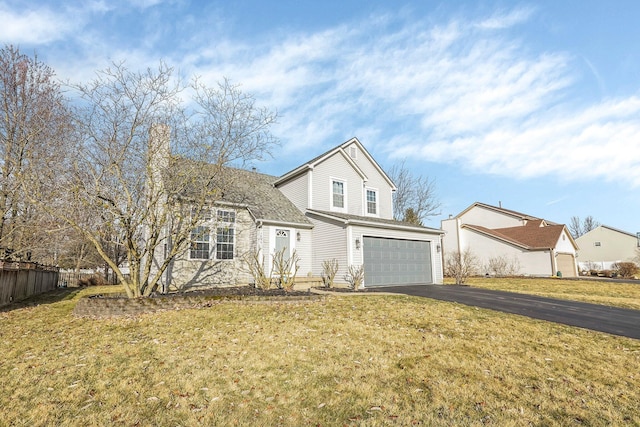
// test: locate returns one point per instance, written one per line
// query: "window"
(372, 202)
(224, 243)
(338, 194)
(225, 234)
(199, 243)
(201, 247)
(226, 216)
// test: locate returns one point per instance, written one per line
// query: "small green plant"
(355, 277)
(329, 271)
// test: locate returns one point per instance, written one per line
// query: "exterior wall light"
(357, 243)
(298, 236)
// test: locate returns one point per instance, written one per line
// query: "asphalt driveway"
(612, 320)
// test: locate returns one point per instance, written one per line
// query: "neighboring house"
(534, 246)
(336, 206)
(603, 246)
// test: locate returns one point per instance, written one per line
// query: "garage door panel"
(396, 261)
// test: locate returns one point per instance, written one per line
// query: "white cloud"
(469, 91)
(33, 25)
(458, 92)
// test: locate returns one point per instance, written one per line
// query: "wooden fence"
(19, 280)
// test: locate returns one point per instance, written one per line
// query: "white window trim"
(366, 202)
(212, 223)
(344, 188)
(209, 242)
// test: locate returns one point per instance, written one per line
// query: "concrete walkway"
(612, 320)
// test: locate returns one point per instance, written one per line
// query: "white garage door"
(396, 262)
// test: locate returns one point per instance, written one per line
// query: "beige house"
(335, 206)
(603, 246)
(522, 244)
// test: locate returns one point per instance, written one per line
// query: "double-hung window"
(203, 247)
(200, 248)
(337, 194)
(225, 234)
(372, 202)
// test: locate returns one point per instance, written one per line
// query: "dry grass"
(616, 294)
(363, 360)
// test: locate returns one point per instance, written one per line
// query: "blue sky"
(532, 104)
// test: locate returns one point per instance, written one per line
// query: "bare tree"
(35, 121)
(415, 198)
(461, 265)
(145, 200)
(578, 228)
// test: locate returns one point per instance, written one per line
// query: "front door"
(283, 243)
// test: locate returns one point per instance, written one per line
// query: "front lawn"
(618, 294)
(361, 360)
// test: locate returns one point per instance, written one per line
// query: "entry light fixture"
(298, 236)
(357, 243)
(438, 248)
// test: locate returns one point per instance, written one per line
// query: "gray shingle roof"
(391, 223)
(238, 186)
(266, 202)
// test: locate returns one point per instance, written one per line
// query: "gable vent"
(353, 152)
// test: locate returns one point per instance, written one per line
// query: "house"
(335, 206)
(522, 244)
(603, 246)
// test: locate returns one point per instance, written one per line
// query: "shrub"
(501, 266)
(461, 265)
(256, 268)
(329, 271)
(355, 277)
(93, 280)
(626, 269)
(285, 269)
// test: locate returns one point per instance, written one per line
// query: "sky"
(531, 105)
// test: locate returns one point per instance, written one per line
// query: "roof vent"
(353, 152)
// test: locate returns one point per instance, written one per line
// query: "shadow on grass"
(53, 296)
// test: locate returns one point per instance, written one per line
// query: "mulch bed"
(116, 305)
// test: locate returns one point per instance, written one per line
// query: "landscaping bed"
(118, 305)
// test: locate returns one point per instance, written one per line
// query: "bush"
(329, 271)
(501, 266)
(93, 280)
(461, 265)
(355, 277)
(626, 269)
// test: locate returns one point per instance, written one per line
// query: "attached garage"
(566, 264)
(396, 261)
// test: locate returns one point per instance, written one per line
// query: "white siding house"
(603, 246)
(349, 202)
(336, 206)
(531, 245)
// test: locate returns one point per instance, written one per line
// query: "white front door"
(283, 242)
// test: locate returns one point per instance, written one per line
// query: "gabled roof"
(533, 236)
(244, 188)
(348, 219)
(340, 149)
(509, 212)
(262, 198)
(617, 230)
